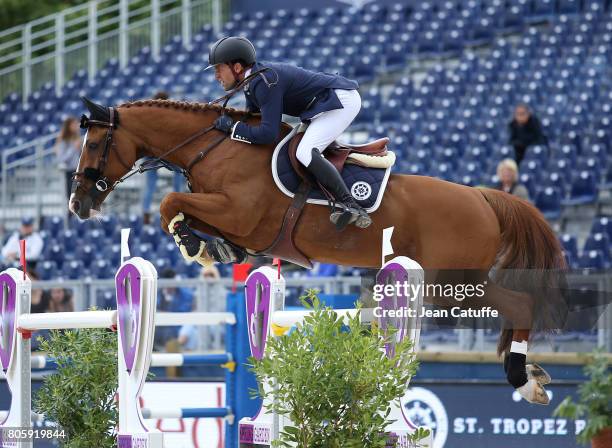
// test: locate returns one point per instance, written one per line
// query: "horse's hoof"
(533, 392)
(205, 260)
(363, 221)
(538, 373)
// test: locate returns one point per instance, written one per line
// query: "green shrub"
(595, 398)
(80, 396)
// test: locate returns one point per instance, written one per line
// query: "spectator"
(214, 301)
(60, 300)
(40, 300)
(525, 131)
(34, 244)
(68, 150)
(188, 338)
(177, 300)
(151, 179)
(171, 299)
(188, 335)
(507, 171)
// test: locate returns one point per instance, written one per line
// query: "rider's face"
(223, 74)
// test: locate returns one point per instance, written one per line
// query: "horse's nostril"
(76, 205)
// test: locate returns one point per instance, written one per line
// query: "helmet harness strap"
(235, 74)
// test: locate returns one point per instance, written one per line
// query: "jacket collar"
(257, 66)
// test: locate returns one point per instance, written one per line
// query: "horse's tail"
(531, 258)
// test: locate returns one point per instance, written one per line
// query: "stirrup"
(344, 215)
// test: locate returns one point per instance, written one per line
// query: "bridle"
(101, 183)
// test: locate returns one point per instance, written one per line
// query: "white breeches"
(327, 126)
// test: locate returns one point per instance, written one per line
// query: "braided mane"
(181, 105)
(187, 106)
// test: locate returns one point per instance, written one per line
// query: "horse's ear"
(97, 112)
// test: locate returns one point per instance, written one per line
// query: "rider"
(329, 102)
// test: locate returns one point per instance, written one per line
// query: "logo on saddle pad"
(361, 190)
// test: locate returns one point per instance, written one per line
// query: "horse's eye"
(92, 145)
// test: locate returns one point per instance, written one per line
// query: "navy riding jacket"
(290, 90)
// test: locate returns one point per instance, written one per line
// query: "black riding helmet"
(229, 49)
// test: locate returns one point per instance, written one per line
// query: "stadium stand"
(479, 57)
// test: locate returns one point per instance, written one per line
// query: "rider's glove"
(224, 123)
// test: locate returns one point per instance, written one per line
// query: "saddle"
(338, 154)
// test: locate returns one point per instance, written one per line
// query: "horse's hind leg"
(528, 379)
(517, 309)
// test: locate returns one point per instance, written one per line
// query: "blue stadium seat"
(532, 167)
(427, 42)
(537, 153)
(102, 268)
(47, 270)
(567, 151)
(134, 222)
(53, 225)
(483, 30)
(593, 259)
(420, 156)
(556, 180)
(151, 234)
(106, 299)
(55, 252)
(111, 253)
(73, 269)
(514, 16)
(583, 189)
(562, 166)
(548, 201)
(396, 55)
(592, 165)
(602, 224)
(443, 171)
(598, 241)
(569, 6)
(86, 254)
(162, 263)
(108, 224)
(570, 244)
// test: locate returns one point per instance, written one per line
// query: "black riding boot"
(347, 210)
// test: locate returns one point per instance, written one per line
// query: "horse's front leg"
(210, 208)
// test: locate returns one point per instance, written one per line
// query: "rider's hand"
(224, 123)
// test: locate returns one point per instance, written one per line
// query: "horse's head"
(107, 154)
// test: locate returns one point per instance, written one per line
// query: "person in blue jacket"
(329, 102)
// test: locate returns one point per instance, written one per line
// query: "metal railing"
(27, 156)
(53, 48)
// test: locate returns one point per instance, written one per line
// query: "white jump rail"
(290, 318)
(65, 321)
(194, 318)
(108, 319)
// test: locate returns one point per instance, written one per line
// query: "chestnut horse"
(441, 225)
